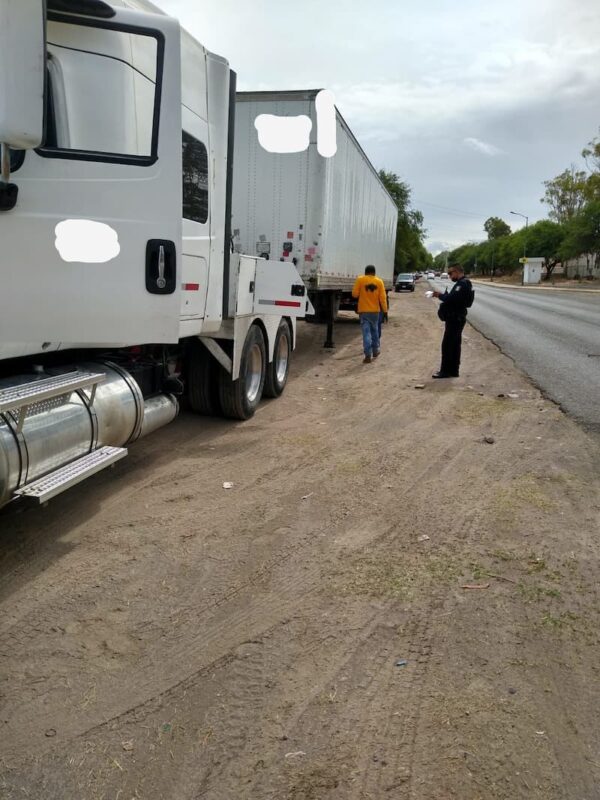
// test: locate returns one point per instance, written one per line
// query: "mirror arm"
(5, 163)
(8, 191)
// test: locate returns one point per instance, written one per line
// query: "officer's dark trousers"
(451, 346)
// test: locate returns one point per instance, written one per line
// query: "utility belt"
(451, 314)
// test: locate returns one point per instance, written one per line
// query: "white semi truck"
(330, 216)
(119, 291)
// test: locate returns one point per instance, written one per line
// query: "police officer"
(453, 313)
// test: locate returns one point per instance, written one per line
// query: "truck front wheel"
(240, 398)
(278, 369)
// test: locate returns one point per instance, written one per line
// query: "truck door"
(92, 252)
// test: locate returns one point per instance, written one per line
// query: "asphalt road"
(552, 335)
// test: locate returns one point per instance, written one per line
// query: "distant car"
(430, 276)
(444, 276)
(405, 281)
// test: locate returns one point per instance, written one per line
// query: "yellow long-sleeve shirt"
(370, 291)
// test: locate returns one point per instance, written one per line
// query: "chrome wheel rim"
(254, 373)
(281, 359)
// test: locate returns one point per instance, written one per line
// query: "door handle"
(161, 266)
(160, 281)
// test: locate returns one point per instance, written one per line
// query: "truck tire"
(240, 398)
(202, 381)
(278, 369)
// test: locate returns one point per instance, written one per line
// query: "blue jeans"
(369, 323)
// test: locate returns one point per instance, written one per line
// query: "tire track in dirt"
(185, 648)
(266, 558)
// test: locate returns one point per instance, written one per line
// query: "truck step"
(44, 489)
(28, 394)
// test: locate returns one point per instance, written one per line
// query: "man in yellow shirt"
(372, 300)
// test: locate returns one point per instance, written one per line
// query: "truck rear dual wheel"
(278, 370)
(240, 398)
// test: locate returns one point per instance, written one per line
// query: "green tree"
(410, 254)
(582, 233)
(496, 228)
(441, 261)
(399, 190)
(545, 239)
(502, 255)
(565, 194)
(591, 154)
(465, 255)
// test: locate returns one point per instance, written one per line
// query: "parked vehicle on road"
(405, 282)
(444, 276)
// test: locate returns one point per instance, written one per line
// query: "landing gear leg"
(332, 309)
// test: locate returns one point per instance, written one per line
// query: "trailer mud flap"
(279, 290)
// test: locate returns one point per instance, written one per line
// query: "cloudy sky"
(473, 103)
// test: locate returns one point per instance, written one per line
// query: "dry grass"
(383, 576)
(523, 494)
(474, 409)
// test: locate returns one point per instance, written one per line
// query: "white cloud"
(482, 147)
(428, 87)
(517, 75)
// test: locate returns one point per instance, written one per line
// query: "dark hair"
(457, 267)
(370, 270)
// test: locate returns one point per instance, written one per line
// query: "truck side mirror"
(22, 85)
(22, 73)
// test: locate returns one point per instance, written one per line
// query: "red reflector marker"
(288, 303)
(190, 287)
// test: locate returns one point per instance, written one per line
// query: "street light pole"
(526, 218)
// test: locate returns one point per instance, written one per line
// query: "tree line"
(572, 230)
(410, 254)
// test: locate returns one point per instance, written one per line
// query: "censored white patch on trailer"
(326, 135)
(86, 241)
(283, 134)
(292, 134)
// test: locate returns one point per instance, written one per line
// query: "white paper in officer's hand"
(428, 294)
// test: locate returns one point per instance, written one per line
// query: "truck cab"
(120, 289)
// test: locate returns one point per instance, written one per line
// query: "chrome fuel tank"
(47, 435)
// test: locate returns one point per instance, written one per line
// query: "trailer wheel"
(240, 398)
(278, 369)
(202, 389)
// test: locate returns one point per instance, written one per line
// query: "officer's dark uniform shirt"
(458, 299)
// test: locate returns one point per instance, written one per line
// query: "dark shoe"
(376, 354)
(443, 375)
(367, 360)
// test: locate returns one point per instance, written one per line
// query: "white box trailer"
(120, 292)
(330, 216)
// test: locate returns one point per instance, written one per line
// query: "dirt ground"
(383, 606)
